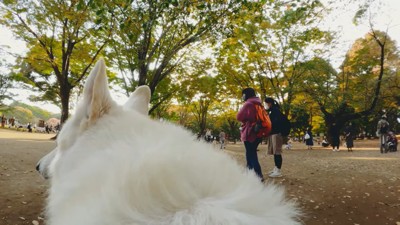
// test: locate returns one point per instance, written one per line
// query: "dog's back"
(128, 169)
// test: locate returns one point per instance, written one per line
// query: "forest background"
(197, 56)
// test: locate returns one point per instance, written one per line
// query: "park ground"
(345, 188)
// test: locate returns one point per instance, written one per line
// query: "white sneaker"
(276, 173)
(273, 170)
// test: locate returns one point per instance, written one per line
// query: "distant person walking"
(309, 138)
(208, 135)
(29, 127)
(3, 121)
(335, 136)
(247, 116)
(275, 140)
(349, 136)
(222, 139)
(382, 131)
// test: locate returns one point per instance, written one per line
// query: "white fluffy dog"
(113, 165)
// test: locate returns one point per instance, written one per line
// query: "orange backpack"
(262, 127)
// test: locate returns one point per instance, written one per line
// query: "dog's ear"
(96, 94)
(139, 100)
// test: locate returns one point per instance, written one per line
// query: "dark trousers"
(335, 142)
(251, 156)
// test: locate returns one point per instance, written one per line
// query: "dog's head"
(96, 103)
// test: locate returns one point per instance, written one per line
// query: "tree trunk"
(64, 96)
(341, 117)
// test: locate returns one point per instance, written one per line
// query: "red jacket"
(247, 115)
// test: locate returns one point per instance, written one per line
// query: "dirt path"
(344, 188)
(22, 190)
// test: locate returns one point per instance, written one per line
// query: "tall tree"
(198, 90)
(153, 36)
(5, 84)
(64, 38)
(354, 93)
(267, 46)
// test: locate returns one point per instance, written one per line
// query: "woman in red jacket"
(247, 115)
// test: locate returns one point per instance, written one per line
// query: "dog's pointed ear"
(139, 100)
(96, 94)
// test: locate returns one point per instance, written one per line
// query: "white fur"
(115, 166)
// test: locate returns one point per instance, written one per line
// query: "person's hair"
(384, 117)
(248, 92)
(272, 101)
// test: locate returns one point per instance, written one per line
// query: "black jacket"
(275, 115)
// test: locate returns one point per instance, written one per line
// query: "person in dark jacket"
(382, 132)
(275, 139)
(334, 132)
(247, 115)
(309, 141)
(349, 135)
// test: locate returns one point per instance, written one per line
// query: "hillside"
(25, 113)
